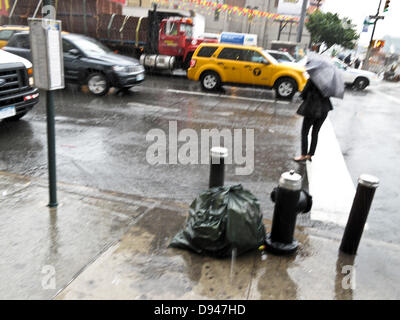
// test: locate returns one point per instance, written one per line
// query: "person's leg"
(307, 123)
(314, 135)
(305, 128)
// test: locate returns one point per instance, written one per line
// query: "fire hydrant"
(290, 200)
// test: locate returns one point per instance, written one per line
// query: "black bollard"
(289, 200)
(217, 167)
(367, 185)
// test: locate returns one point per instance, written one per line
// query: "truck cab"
(176, 39)
(17, 95)
(176, 45)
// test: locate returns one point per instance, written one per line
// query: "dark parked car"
(87, 61)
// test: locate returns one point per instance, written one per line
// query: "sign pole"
(51, 139)
(48, 71)
(51, 149)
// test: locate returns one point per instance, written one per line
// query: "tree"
(328, 28)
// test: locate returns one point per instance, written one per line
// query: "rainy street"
(194, 150)
(101, 141)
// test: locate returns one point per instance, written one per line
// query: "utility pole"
(377, 17)
(302, 18)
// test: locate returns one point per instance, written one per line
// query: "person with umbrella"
(325, 81)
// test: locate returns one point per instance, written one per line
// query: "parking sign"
(47, 53)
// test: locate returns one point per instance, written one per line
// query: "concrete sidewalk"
(107, 245)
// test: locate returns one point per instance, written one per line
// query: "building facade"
(267, 28)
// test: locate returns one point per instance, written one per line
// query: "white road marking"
(148, 108)
(226, 96)
(330, 183)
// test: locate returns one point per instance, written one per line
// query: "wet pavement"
(109, 194)
(108, 245)
(141, 266)
(39, 244)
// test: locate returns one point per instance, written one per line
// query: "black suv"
(87, 61)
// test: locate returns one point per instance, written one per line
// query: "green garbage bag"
(220, 220)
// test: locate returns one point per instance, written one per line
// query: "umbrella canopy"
(325, 75)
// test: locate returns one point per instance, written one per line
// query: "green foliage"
(328, 28)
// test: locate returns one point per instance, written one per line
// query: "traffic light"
(379, 44)
(386, 8)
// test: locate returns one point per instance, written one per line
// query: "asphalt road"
(101, 141)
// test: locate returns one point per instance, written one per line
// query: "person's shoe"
(301, 158)
(308, 157)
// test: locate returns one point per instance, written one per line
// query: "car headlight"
(139, 68)
(119, 68)
(129, 69)
(31, 81)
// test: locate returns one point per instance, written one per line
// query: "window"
(281, 57)
(232, 54)
(89, 46)
(6, 34)
(20, 41)
(67, 45)
(254, 56)
(171, 28)
(187, 28)
(207, 52)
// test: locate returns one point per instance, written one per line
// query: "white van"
(17, 95)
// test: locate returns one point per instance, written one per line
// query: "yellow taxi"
(6, 32)
(221, 63)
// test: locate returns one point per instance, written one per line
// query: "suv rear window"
(206, 52)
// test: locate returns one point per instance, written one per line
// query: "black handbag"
(311, 107)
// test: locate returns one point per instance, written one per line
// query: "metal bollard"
(289, 200)
(217, 167)
(367, 185)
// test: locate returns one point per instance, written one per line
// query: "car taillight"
(192, 63)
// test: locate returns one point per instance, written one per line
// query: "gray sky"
(357, 10)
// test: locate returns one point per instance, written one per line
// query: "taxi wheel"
(98, 84)
(210, 81)
(285, 88)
